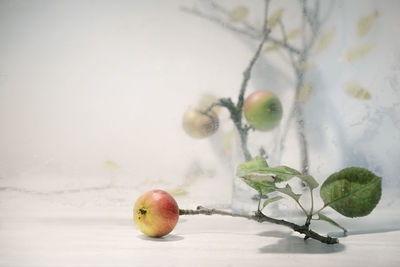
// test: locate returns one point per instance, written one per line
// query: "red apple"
(263, 110)
(198, 124)
(156, 213)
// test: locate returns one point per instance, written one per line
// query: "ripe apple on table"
(156, 213)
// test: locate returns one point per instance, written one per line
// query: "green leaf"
(309, 180)
(253, 165)
(353, 191)
(322, 217)
(288, 191)
(261, 187)
(270, 200)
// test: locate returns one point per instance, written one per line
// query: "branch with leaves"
(353, 192)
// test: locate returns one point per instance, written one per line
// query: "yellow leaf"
(357, 91)
(357, 52)
(326, 39)
(272, 47)
(275, 18)
(365, 24)
(110, 165)
(238, 13)
(294, 34)
(303, 66)
(304, 92)
(227, 143)
(178, 191)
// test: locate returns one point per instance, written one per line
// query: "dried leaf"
(178, 191)
(259, 177)
(227, 143)
(110, 165)
(365, 24)
(357, 52)
(275, 17)
(304, 92)
(303, 66)
(272, 47)
(357, 91)
(325, 40)
(239, 13)
(294, 34)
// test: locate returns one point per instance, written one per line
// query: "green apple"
(198, 124)
(156, 213)
(263, 110)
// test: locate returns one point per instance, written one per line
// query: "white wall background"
(83, 83)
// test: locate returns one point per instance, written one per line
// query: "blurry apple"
(156, 213)
(206, 100)
(197, 124)
(263, 110)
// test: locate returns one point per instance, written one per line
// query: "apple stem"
(261, 217)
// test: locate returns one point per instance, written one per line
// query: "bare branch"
(260, 217)
(247, 72)
(245, 32)
(220, 22)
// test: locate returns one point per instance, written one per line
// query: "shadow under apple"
(167, 238)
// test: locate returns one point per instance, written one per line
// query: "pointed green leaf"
(253, 165)
(322, 217)
(288, 191)
(261, 187)
(270, 200)
(353, 191)
(309, 180)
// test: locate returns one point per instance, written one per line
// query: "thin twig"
(251, 34)
(296, 109)
(260, 217)
(247, 72)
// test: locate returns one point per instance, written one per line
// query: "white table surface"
(43, 230)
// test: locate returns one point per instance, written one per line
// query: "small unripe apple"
(156, 213)
(263, 110)
(198, 124)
